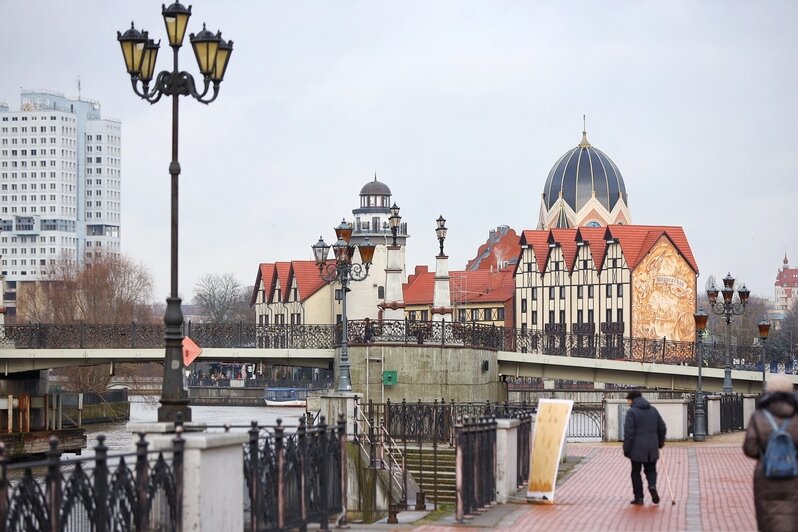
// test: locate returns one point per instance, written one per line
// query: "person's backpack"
(780, 459)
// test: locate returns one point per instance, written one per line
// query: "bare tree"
(221, 298)
(107, 290)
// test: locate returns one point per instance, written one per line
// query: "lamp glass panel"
(367, 252)
(701, 319)
(712, 294)
(206, 55)
(220, 64)
(176, 27)
(728, 294)
(148, 62)
(344, 231)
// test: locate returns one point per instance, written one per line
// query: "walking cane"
(667, 477)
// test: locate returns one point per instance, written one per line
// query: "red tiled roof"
(265, 273)
(467, 286)
(635, 241)
(502, 246)
(308, 278)
(283, 269)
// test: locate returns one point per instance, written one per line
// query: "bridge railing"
(140, 490)
(553, 340)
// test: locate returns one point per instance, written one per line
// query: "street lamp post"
(440, 232)
(764, 330)
(140, 53)
(727, 308)
(344, 270)
(394, 220)
(699, 430)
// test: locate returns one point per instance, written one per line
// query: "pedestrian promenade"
(711, 481)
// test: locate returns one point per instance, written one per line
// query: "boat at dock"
(286, 396)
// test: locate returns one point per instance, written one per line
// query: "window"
(425, 315)
(461, 314)
(609, 290)
(474, 314)
(380, 292)
(580, 316)
(619, 315)
(562, 292)
(562, 316)
(551, 292)
(580, 291)
(608, 316)
(500, 313)
(590, 318)
(523, 305)
(551, 316)
(488, 314)
(535, 317)
(412, 315)
(529, 266)
(534, 294)
(620, 290)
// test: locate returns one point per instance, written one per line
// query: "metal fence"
(476, 465)
(731, 413)
(93, 398)
(552, 341)
(295, 479)
(140, 490)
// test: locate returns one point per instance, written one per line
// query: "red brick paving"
(596, 495)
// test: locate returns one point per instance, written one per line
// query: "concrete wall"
(425, 372)
(713, 414)
(673, 412)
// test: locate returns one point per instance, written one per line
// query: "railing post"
(435, 455)
(420, 497)
(372, 443)
(279, 453)
(54, 485)
(664, 340)
(177, 468)
(240, 334)
(82, 334)
(304, 469)
(403, 502)
(254, 478)
(187, 333)
(459, 470)
(101, 484)
(323, 477)
(132, 334)
(342, 440)
(142, 484)
(3, 487)
(443, 331)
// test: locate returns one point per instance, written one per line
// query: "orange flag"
(190, 351)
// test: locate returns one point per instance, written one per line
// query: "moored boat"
(286, 396)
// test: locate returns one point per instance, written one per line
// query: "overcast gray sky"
(461, 108)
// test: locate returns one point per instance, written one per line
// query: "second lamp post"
(342, 269)
(727, 308)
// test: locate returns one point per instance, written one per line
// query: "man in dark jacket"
(643, 437)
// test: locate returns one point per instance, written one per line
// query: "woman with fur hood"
(776, 500)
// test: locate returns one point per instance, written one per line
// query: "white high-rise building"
(60, 186)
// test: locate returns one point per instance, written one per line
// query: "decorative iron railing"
(140, 490)
(731, 412)
(552, 341)
(295, 479)
(476, 465)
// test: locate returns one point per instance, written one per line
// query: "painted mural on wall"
(663, 295)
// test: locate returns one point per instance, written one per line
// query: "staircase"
(421, 465)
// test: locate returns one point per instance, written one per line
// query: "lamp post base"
(174, 395)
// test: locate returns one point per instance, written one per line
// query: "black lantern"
(440, 232)
(175, 17)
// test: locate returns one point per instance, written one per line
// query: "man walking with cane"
(643, 437)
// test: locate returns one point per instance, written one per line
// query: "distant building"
(500, 251)
(785, 292)
(60, 186)
(584, 188)
(482, 296)
(294, 292)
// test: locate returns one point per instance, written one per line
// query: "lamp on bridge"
(440, 232)
(727, 308)
(764, 330)
(344, 270)
(699, 424)
(140, 53)
(394, 221)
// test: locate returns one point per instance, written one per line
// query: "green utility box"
(389, 378)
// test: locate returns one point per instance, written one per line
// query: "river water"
(145, 409)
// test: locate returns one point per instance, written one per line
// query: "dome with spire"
(375, 188)
(584, 187)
